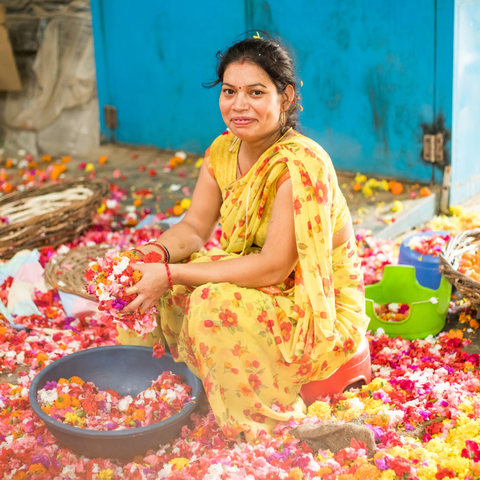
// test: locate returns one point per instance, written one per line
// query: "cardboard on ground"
(9, 78)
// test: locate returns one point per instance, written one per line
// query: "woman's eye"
(228, 91)
(257, 93)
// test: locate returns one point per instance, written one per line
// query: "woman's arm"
(199, 223)
(269, 267)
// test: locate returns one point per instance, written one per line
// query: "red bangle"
(166, 256)
(167, 268)
(137, 251)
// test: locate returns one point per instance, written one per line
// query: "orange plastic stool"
(358, 368)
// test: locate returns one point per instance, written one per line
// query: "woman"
(281, 304)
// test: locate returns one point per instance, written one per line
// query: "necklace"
(236, 140)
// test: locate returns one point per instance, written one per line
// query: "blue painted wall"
(466, 102)
(373, 72)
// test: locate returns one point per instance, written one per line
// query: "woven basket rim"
(467, 286)
(44, 189)
(79, 257)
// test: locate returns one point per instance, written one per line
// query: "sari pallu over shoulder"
(314, 187)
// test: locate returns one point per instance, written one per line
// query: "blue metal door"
(372, 72)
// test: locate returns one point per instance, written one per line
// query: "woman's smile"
(242, 121)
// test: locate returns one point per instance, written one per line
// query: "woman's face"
(249, 102)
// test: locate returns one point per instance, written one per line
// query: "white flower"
(63, 249)
(379, 332)
(356, 403)
(434, 300)
(124, 403)
(121, 266)
(47, 396)
(181, 154)
(111, 203)
(394, 307)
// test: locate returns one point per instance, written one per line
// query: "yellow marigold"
(72, 419)
(137, 276)
(63, 401)
(77, 380)
(321, 410)
(106, 474)
(63, 381)
(37, 469)
(295, 474)
(388, 475)
(378, 384)
(179, 463)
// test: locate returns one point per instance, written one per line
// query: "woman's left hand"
(153, 284)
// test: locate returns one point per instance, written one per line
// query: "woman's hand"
(153, 284)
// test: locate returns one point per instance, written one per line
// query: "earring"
(283, 118)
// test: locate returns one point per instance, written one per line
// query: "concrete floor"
(168, 187)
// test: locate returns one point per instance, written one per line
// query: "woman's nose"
(240, 102)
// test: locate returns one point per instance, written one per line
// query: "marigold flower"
(77, 380)
(37, 469)
(63, 381)
(63, 401)
(179, 463)
(106, 474)
(139, 414)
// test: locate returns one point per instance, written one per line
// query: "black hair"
(272, 57)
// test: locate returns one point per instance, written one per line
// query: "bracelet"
(137, 252)
(166, 253)
(167, 268)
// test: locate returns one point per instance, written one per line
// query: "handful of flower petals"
(81, 404)
(108, 279)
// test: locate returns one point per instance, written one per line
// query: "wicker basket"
(48, 215)
(468, 241)
(66, 271)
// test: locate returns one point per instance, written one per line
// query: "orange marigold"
(137, 276)
(20, 476)
(77, 380)
(139, 414)
(37, 469)
(63, 381)
(63, 401)
(42, 357)
(128, 254)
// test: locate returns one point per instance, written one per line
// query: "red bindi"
(239, 88)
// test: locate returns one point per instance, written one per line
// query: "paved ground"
(136, 164)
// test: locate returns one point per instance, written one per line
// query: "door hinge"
(111, 121)
(433, 148)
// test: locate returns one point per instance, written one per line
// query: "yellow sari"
(254, 348)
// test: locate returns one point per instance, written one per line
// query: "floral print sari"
(253, 348)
